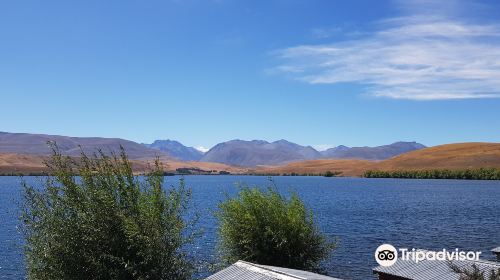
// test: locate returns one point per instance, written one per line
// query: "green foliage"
(474, 273)
(332, 174)
(192, 171)
(266, 228)
(184, 171)
(465, 174)
(105, 223)
(329, 174)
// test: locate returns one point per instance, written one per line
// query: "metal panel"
(237, 273)
(248, 271)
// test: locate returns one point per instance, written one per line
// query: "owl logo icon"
(386, 255)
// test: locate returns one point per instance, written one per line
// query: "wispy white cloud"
(422, 56)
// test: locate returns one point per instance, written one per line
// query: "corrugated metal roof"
(433, 270)
(235, 272)
(242, 270)
(299, 273)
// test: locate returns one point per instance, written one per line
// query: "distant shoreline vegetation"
(272, 174)
(179, 171)
(196, 171)
(459, 174)
(462, 174)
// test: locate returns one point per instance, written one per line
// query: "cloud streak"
(416, 57)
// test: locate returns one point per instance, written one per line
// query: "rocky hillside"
(372, 153)
(176, 150)
(26, 143)
(259, 152)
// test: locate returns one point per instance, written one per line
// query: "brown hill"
(29, 163)
(19, 163)
(450, 156)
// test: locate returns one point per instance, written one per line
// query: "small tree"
(266, 228)
(105, 223)
(474, 273)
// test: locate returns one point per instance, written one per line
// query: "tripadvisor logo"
(387, 255)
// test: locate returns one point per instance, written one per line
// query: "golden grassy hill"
(19, 163)
(449, 156)
(27, 163)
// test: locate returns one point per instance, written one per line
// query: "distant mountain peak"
(341, 148)
(259, 152)
(283, 141)
(372, 153)
(166, 141)
(27, 143)
(177, 150)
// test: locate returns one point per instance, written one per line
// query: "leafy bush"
(329, 174)
(105, 223)
(465, 174)
(266, 228)
(332, 174)
(474, 273)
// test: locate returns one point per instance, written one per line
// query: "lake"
(361, 213)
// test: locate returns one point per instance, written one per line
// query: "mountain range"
(26, 143)
(235, 152)
(372, 153)
(258, 152)
(24, 153)
(448, 156)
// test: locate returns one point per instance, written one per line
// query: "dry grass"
(451, 156)
(19, 163)
(25, 164)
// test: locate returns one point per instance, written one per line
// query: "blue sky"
(319, 73)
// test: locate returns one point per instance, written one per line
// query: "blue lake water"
(360, 213)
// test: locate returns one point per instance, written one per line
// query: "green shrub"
(105, 223)
(474, 273)
(266, 228)
(329, 174)
(332, 174)
(464, 174)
